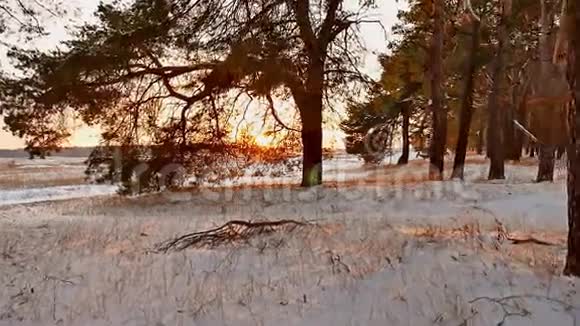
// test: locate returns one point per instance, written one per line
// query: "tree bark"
(573, 256)
(310, 107)
(439, 112)
(547, 162)
(546, 150)
(510, 142)
(466, 114)
(480, 139)
(560, 151)
(519, 138)
(311, 145)
(496, 114)
(404, 159)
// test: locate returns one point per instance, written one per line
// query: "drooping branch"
(166, 82)
(171, 71)
(275, 114)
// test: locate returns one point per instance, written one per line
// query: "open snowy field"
(381, 246)
(22, 173)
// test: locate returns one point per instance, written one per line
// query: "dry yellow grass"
(15, 177)
(542, 259)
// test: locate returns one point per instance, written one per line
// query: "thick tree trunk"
(310, 106)
(496, 114)
(404, 159)
(546, 150)
(312, 145)
(439, 135)
(466, 105)
(573, 256)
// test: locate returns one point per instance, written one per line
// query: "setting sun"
(262, 139)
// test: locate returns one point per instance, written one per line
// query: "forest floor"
(380, 246)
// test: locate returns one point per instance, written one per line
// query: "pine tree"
(369, 128)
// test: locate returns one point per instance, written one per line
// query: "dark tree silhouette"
(439, 110)
(164, 74)
(547, 151)
(495, 114)
(467, 102)
(569, 31)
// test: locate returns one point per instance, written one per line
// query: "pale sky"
(373, 35)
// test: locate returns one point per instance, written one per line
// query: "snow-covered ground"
(24, 181)
(34, 195)
(387, 248)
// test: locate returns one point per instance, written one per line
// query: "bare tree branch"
(275, 114)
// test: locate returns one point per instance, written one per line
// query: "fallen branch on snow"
(517, 241)
(512, 308)
(232, 231)
(503, 233)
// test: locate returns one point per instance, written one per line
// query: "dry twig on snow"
(232, 231)
(512, 308)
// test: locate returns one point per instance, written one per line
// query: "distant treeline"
(66, 152)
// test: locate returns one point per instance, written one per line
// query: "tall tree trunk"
(546, 150)
(573, 256)
(509, 129)
(311, 144)
(496, 114)
(404, 159)
(480, 138)
(466, 104)
(310, 107)
(532, 150)
(439, 135)
(526, 146)
(519, 138)
(547, 162)
(560, 150)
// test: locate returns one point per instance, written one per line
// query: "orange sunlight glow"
(263, 141)
(260, 138)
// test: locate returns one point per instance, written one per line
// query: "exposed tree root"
(232, 231)
(531, 240)
(503, 233)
